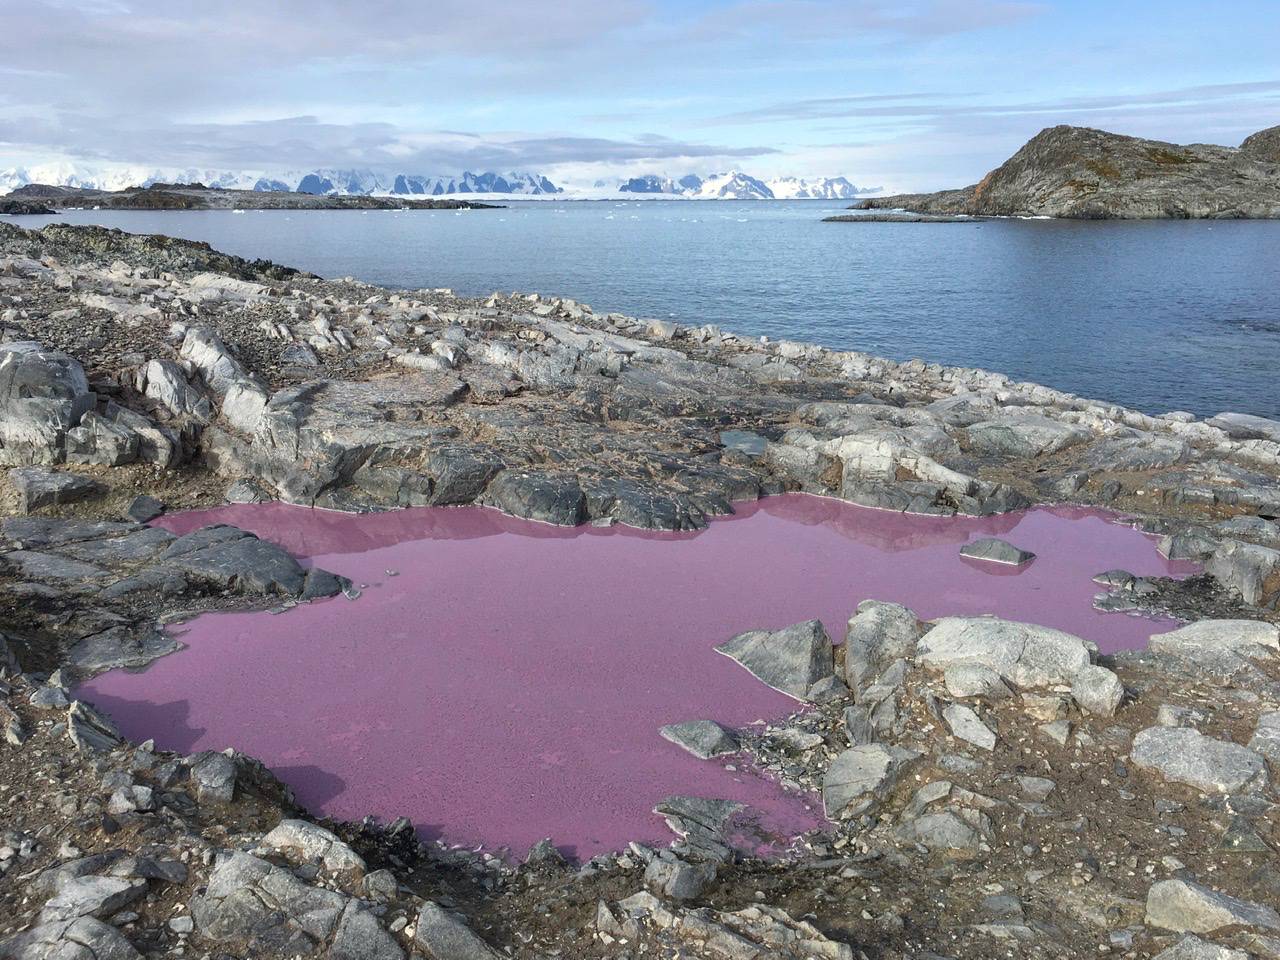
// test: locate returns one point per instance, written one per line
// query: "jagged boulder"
(43, 394)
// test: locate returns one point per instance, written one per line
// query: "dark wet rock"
(46, 488)
(703, 738)
(143, 509)
(790, 660)
(213, 775)
(459, 472)
(120, 647)
(1182, 755)
(701, 824)
(446, 936)
(995, 550)
(231, 559)
(551, 498)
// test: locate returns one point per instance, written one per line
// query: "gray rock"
(857, 725)
(702, 738)
(306, 842)
(1182, 755)
(81, 939)
(790, 660)
(1023, 654)
(90, 731)
(995, 550)
(1097, 690)
(862, 776)
(459, 472)
(164, 382)
(878, 634)
(1249, 570)
(213, 775)
(99, 441)
(266, 907)
(1219, 642)
(672, 877)
(551, 498)
(1266, 737)
(1024, 436)
(1245, 426)
(43, 394)
(1186, 907)
(231, 559)
(967, 726)
(91, 897)
(359, 936)
(446, 936)
(45, 488)
(943, 832)
(701, 823)
(1193, 948)
(974, 680)
(1187, 545)
(143, 508)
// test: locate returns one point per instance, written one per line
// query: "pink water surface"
(508, 682)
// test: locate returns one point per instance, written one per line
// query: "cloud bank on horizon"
(912, 95)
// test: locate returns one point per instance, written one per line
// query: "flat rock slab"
(790, 660)
(703, 738)
(1219, 639)
(968, 726)
(1183, 755)
(1022, 653)
(47, 488)
(995, 550)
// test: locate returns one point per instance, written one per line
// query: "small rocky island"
(1084, 174)
(991, 787)
(40, 198)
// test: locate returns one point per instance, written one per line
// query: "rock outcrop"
(1085, 174)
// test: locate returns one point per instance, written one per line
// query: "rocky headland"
(39, 198)
(1084, 174)
(991, 787)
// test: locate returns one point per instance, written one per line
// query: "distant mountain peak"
(736, 185)
(319, 181)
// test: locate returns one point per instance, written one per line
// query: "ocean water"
(1168, 315)
(499, 681)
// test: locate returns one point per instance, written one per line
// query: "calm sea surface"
(1159, 316)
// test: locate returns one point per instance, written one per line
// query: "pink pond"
(500, 681)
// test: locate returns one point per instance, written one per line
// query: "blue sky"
(907, 95)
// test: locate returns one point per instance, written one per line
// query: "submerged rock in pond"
(995, 550)
(702, 738)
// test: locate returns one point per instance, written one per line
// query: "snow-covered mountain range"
(736, 185)
(313, 181)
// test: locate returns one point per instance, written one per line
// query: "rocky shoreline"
(991, 786)
(39, 198)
